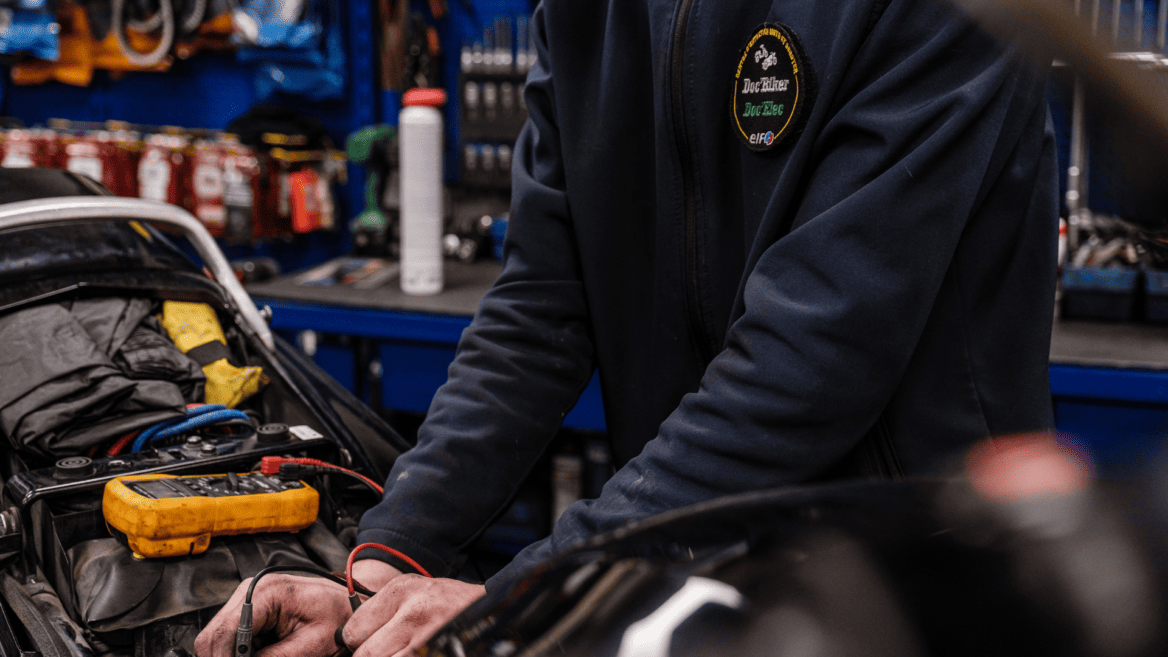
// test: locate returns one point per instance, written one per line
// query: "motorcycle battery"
(160, 515)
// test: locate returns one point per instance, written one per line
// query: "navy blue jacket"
(869, 298)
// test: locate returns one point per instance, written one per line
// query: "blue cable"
(203, 420)
(143, 437)
(149, 433)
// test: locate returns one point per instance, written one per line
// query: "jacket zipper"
(703, 341)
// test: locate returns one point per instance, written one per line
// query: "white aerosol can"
(420, 141)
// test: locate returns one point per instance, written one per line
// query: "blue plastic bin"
(1100, 293)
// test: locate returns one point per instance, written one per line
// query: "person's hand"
(405, 613)
(303, 613)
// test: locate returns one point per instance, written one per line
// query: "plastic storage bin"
(1100, 293)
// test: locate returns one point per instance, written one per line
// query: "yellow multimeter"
(161, 515)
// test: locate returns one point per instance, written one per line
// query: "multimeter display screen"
(157, 489)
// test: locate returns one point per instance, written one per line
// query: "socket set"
(486, 165)
(491, 106)
(492, 109)
(497, 53)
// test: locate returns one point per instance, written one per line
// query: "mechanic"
(800, 240)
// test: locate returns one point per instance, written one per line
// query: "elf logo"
(762, 138)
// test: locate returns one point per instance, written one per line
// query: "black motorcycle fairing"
(846, 569)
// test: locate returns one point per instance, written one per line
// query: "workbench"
(1109, 381)
(408, 340)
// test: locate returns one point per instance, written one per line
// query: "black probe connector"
(243, 634)
(339, 635)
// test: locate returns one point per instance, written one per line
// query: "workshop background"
(275, 122)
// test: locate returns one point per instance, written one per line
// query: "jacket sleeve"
(932, 125)
(519, 368)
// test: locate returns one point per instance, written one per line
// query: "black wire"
(319, 572)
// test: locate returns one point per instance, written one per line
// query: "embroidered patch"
(772, 88)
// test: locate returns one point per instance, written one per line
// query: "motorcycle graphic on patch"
(768, 58)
